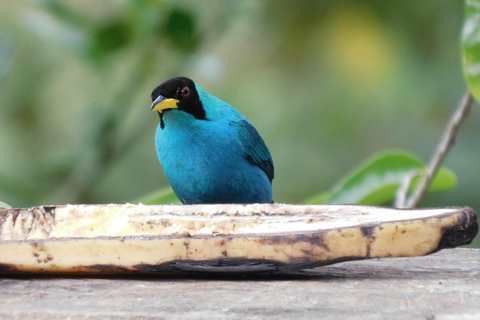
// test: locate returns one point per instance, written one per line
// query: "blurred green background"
(326, 83)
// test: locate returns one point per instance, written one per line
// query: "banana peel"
(131, 238)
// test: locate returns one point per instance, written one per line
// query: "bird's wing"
(255, 149)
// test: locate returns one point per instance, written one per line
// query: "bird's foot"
(188, 201)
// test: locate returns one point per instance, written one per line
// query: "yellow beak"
(162, 103)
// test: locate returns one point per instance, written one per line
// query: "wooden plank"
(445, 285)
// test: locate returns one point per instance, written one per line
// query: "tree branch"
(402, 191)
(443, 147)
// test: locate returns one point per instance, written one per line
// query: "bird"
(209, 151)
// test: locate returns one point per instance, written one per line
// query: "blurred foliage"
(326, 83)
(376, 182)
(179, 30)
(161, 196)
(471, 46)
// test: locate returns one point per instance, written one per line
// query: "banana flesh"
(220, 238)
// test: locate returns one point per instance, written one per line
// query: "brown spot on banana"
(219, 238)
(7, 267)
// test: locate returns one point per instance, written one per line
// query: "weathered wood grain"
(445, 285)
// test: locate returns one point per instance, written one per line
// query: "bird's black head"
(178, 93)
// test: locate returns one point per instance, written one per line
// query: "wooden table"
(445, 285)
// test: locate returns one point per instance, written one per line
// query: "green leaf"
(444, 180)
(160, 196)
(378, 179)
(471, 46)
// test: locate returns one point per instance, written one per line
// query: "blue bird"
(209, 151)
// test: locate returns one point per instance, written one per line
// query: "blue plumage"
(209, 151)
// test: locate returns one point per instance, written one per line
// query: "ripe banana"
(219, 238)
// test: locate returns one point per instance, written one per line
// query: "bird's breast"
(200, 147)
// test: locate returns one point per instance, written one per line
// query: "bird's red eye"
(185, 92)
